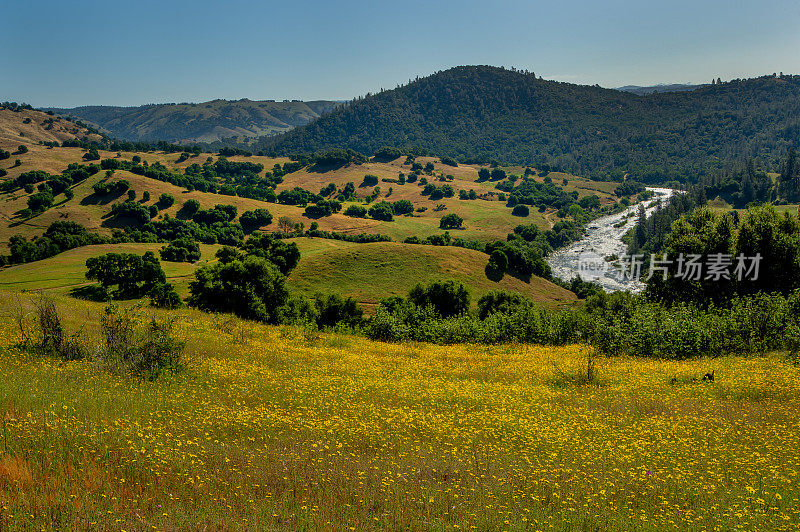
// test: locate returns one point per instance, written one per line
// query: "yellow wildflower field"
(281, 428)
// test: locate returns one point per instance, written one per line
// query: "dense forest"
(482, 113)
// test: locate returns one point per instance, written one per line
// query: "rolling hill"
(27, 126)
(482, 112)
(200, 122)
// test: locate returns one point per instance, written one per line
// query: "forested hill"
(487, 113)
(200, 122)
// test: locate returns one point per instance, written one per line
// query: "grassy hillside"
(369, 272)
(67, 271)
(31, 127)
(485, 219)
(343, 268)
(492, 113)
(273, 428)
(200, 122)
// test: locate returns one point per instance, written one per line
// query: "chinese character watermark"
(690, 267)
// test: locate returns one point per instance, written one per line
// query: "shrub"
(146, 351)
(447, 298)
(369, 180)
(334, 310)
(500, 301)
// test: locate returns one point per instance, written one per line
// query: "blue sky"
(130, 53)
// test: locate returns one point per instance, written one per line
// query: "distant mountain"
(200, 122)
(663, 87)
(486, 113)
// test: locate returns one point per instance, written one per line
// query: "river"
(603, 238)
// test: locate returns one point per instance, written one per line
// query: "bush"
(333, 310)
(369, 181)
(447, 298)
(500, 301)
(146, 351)
(163, 295)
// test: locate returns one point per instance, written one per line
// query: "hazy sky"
(73, 53)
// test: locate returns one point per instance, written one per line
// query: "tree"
(163, 295)
(252, 288)
(165, 201)
(40, 202)
(369, 180)
(181, 250)
(382, 211)
(133, 275)
(285, 224)
(131, 195)
(356, 211)
(520, 210)
(451, 221)
(447, 298)
(189, 208)
(255, 219)
(265, 245)
(402, 207)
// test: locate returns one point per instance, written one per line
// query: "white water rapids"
(603, 238)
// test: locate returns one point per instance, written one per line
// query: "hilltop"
(485, 113)
(200, 122)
